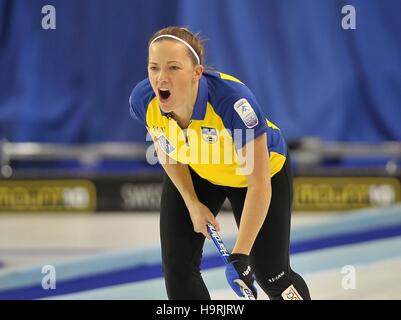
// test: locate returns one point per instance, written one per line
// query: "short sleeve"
(133, 111)
(138, 101)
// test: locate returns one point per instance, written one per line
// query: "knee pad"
(277, 293)
(291, 294)
(279, 287)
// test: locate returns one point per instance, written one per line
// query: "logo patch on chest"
(246, 113)
(209, 134)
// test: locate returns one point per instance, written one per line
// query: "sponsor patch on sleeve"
(246, 113)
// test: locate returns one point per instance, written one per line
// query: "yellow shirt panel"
(206, 146)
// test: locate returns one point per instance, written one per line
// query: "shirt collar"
(200, 103)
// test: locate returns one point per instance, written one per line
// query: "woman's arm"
(258, 196)
(181, 177)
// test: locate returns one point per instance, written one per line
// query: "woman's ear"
(198, 72)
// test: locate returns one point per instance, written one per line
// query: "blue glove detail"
(239, 274)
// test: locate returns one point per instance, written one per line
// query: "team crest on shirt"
(209, 134)
(165, 144)
(246, 113)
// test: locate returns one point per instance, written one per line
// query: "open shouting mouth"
(164, 94)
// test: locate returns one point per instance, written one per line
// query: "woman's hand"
(201, 216)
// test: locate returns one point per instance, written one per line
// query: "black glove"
(239, 274)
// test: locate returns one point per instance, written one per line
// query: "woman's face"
(172, 74)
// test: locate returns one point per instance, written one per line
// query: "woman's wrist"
(191, 201)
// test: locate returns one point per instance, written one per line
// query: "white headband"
(180, 40)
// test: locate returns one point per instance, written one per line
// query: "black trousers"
(182, 246)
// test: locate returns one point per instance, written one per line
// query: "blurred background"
(77, 193)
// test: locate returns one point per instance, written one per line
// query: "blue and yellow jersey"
(226, 116)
